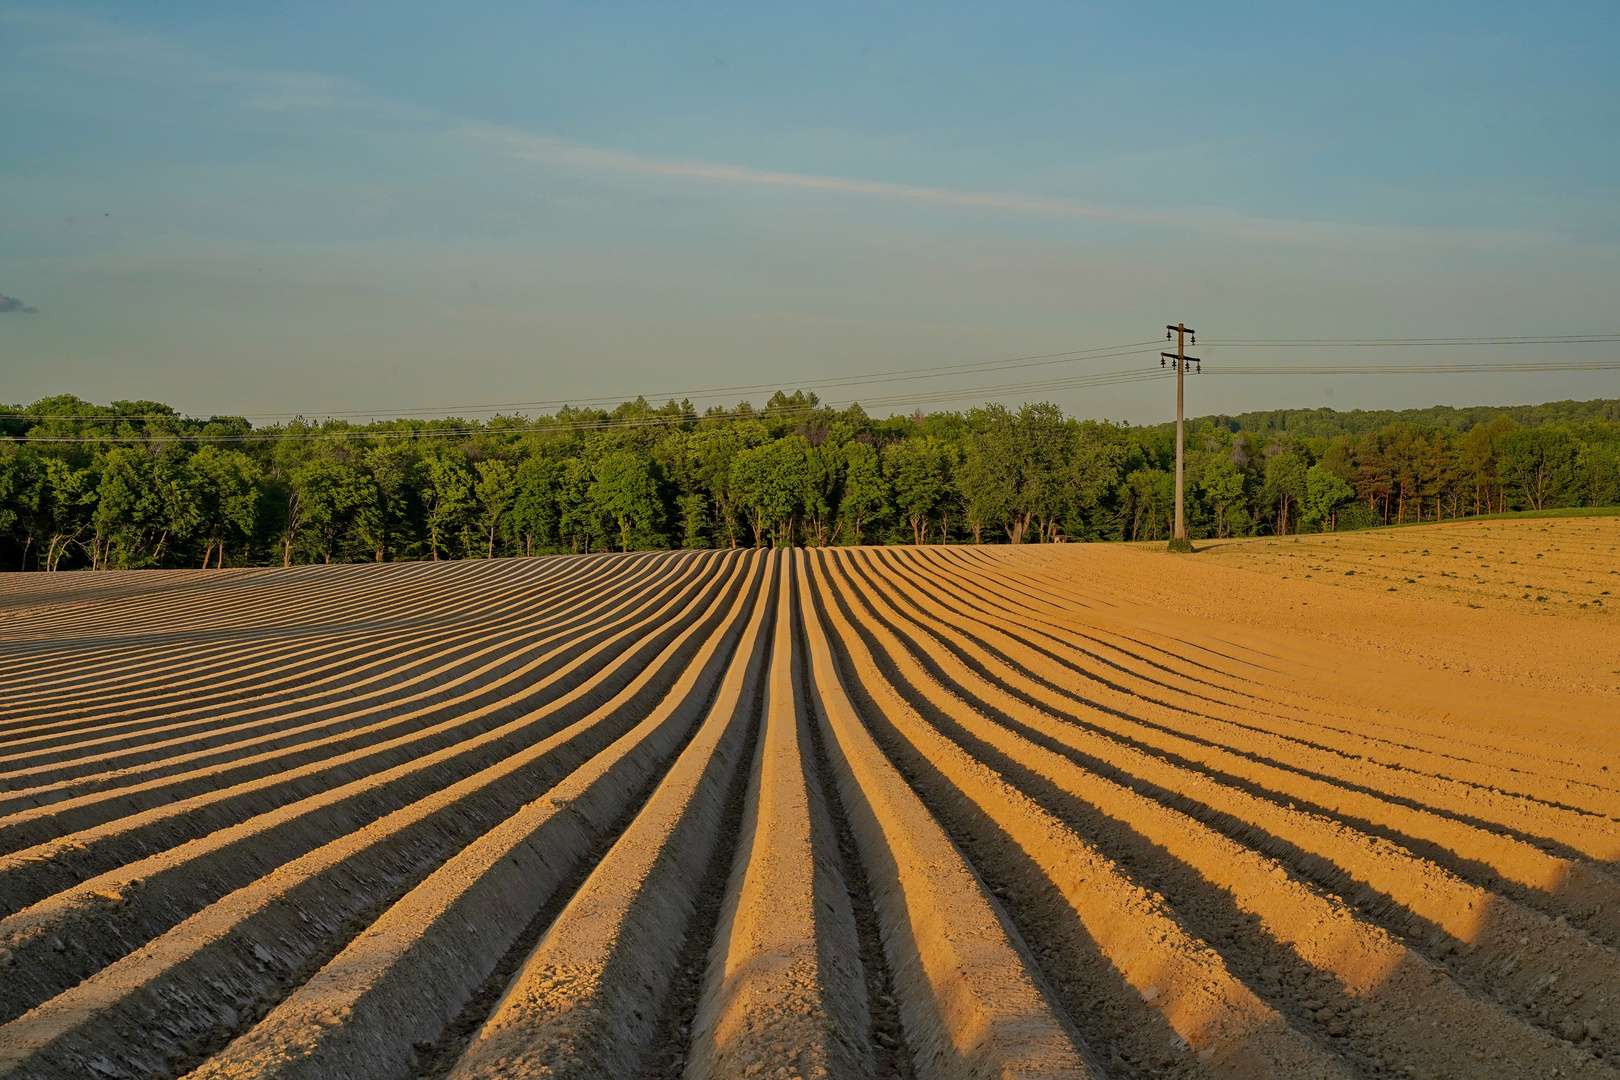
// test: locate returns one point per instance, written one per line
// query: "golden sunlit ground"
(1236, 813)
(1526, 602)
(1563, 566)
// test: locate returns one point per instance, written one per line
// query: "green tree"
(226, 486)
(71, 501)
(920, 471)
(694, 511)
(626, 489)
(866, 488)
(449, 496)
(1096, 457)
(583, 522)
(823, 489)
(332, 495)
(1478, 463)
(378, 524)
(1014, 470)
(496, 491)
(1044, 445)
(770, 481)
(1285, 485)
(24, 498)
(1325, 494)
(142, 503)
(1149, 497)
(988, 480)
(535, 513)
(1540, 462)
(714, 448)
(1599, 472)
(1223, 484)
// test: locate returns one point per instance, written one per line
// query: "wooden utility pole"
(1179, 360)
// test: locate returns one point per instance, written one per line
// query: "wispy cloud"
(547, 149)
(107, 47)
(10, 305)
(544, 149)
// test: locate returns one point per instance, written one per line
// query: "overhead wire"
(838, 382)
(913, 398)
(1407, 343)
(599, 425)
(1412, 369)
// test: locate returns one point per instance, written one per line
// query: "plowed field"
(872, 812)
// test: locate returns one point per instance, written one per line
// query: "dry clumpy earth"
(1057, 811)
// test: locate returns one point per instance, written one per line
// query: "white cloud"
(545, 149)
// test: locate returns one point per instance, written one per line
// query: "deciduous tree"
(1540, 462)
(496, 491)
(626, 489)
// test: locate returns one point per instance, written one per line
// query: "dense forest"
(135, 484)
(1325, 423)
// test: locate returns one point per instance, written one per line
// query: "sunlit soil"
(1057, 811)
(1564, 566)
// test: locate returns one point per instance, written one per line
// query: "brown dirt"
(933, 812)
(1461, 597)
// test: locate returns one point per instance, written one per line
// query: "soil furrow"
(587, 1001)
(929, 811)
(969, 1005)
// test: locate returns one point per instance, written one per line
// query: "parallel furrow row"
(926, 812)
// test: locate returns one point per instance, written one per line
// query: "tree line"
(135, 484)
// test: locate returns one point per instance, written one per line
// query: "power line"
(1407, 343)
(1416, 369)
(1090, 380)
(841, 382)
(930, 372)
(664, 420)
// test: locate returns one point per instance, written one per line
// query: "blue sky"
(309, 207)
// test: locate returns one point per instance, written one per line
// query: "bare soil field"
(1382, 590)
(1060, 811)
